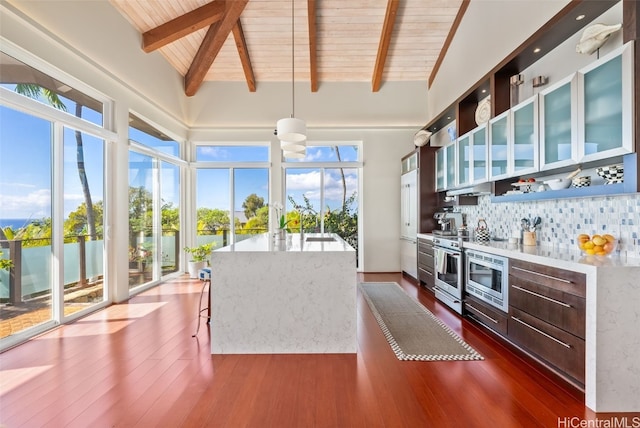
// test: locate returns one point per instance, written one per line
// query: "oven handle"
(447, 251)
(435, 288)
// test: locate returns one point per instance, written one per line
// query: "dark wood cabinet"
(547, 315)
(425, 263)
(485, 314)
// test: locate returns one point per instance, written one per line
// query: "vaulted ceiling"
(334, 40)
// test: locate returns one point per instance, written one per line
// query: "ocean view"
(14, 223)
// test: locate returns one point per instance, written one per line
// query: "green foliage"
(251, 205)
(201, 252)
(170, 217)
(77, 223)
(5, 264)
(258, 223)
(140, 209)
(343, 222)
(34, 91)
(35, 234)
(210, 221)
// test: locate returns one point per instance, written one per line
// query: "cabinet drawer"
(425, 246)
(485, 314)
(563, 310)
(564, 280)
(426, 261)
(559, 348)
(426, 276)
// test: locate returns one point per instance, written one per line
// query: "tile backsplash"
(564, 219)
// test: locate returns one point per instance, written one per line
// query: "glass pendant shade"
(291, 130)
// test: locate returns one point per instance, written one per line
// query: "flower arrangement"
(282, 221)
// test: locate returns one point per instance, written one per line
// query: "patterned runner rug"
(413, 332)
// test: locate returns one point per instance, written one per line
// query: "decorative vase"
(281, 234)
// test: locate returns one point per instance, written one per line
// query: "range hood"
(476, 190)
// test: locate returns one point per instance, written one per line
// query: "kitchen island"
(291, 296)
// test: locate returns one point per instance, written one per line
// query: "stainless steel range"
(449, 263)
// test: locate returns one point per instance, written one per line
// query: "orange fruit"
(608, 247)
(609, 238)
(583, 237)
(598, 249)
(590, 252)
(588, 245)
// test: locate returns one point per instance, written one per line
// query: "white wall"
(489, 31)
(230, 104)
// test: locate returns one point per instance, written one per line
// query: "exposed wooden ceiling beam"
(211, 45)
(313, 45)
(447, 42)
(385, 41)
(241, 44)
(183, 25)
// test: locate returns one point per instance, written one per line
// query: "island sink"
(320, 239)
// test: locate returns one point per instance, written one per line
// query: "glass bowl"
(597, 245)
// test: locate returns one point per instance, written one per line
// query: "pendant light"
(292, 132)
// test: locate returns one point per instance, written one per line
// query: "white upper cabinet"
(524, 137)
(465, 157)
(499, 146)
(472, 152)
(479, 154)
(440, 167)
(450, 162)
(558, 124)
(605, 106)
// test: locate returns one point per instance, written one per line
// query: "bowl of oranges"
(597, 245)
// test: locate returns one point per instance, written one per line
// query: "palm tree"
(35, 91)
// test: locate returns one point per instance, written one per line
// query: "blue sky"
(25, 166)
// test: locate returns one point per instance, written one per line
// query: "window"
(154, 204)
(323, 189)
(52, 160)
(142, 133)
(232, 188)
(34, 84)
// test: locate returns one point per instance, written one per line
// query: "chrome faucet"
(302, 210)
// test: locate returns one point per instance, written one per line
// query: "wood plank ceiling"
(335, 40)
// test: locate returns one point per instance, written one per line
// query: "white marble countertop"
(571, 259)
(292, 243)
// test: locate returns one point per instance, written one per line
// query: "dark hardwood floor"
(136, 365)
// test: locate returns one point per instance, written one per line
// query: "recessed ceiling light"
(448, 117)
(536, 50)
(579, 17)
(484, 90)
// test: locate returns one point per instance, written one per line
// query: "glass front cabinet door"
(450, 163)
(440, 166)
(463, 171)
(479, 154)
(605, 106)
(499, 155)
(524, 137)
(558, 124)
